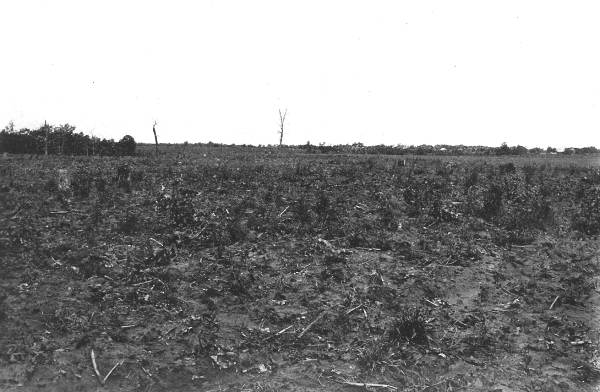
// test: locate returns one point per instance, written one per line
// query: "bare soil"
(256, 271)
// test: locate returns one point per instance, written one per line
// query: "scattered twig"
(283, 212)
(353, 309)
(142, 283)
(169, 331)
(431, 303)
(508, 292)
(152, 239)
(309, 326)
(16, 211)
(278, 333)
(369, 385)
(111, 371)
(146, 371)
(458, 321)
(433, 385)
(100, 379)
(554, 302)
(67, 212)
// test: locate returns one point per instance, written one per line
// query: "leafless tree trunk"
(281, 125)
(46, 138)
(155, 138)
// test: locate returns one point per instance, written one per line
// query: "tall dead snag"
(281, 124)
(45, 138)
(155, 138)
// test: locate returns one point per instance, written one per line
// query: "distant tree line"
(440, 149)
(424, 149)
(61, 140)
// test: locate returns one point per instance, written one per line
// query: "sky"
(377, 72)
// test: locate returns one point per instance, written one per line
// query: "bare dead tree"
(281, 125)
(45, 138)
(155, 138)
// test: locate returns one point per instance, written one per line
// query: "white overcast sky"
(393, 72)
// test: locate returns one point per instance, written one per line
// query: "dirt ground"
(255, 271)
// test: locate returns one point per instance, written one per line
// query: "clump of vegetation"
(81, 183)
(124, 178)
(472, 179)
(408, 326)
(51, 186)
(129, 224)
(492, 204)
(587, 219)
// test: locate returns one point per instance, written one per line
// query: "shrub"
(408, 326)
(51, 186)
(100, 184)
(492, 203)
(126, 146)
(124, 178)
(473, 179)
(587, 219)
(81, 184)
(507, 168)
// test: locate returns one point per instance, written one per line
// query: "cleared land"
(251, 269)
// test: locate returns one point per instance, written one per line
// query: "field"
(240, 269)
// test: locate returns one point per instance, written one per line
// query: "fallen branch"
(431, 303)
(111, 371)
(66, 212)
(283, 212)
(554, 302)
(152, 239)
(142, 283)
(433, 385)
(16, 211)
(278, 333)
(458, 321)
(309, 326)
(100, 379)
(368, 384)
(353, 309)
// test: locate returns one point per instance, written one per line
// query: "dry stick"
(278, 333)
(309, 326)
(353, 309)
(283, 212)
(554, 302)
(367, 385)
(433, 385)
(431, 303)
(142, 283)
(457, 321)
(152, 239)
(96, 368)
(111, 371)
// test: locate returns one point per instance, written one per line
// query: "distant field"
(193, 151)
